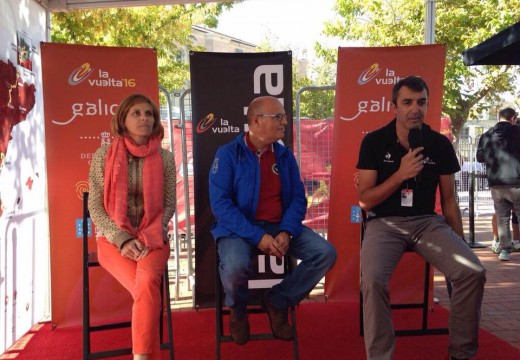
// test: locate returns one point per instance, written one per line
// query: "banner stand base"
(477, 245)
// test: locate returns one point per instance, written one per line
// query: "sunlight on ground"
(17, 348)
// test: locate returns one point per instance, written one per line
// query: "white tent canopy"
(66, 5)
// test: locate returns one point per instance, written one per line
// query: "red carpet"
(325, 331)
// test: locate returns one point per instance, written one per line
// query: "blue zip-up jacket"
(234, 188)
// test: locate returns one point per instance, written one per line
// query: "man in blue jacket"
(499, 148)
(258, 200)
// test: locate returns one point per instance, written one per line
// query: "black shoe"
(278, 320)
(239, 327)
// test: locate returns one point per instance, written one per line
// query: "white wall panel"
(24, 229)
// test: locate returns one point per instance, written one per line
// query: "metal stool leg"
(168, 345)
(219, 327)
(86, 309)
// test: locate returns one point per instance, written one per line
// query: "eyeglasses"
(277, 117)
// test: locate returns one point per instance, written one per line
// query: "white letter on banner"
(270, 72)
(277, 269)
(261, 264)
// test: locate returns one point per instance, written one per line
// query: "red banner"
(82, 86)
(363, 103)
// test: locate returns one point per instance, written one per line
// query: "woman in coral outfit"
(131, 201)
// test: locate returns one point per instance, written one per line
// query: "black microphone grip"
(415, 140)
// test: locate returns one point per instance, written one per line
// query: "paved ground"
(501, 305)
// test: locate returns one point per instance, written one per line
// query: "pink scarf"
(150, 230)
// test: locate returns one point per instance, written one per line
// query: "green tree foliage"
(459, 24)
(165, 28)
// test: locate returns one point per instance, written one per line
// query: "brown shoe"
(239, 327)
(278, 320)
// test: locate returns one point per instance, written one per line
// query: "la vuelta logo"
(383, 105)
(206, 123)
(216, 125)
(368, 74)
(78, 75)
(102, 79)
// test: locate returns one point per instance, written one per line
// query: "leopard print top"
(105, 226)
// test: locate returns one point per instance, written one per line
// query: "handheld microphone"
(415, 140)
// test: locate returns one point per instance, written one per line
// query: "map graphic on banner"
(17, 99)
(83, 86)
(363, 103)
(222, 86)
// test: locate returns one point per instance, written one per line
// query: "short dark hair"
(414, 83)
(507, 113)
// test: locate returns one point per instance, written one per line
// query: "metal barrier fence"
(466, 152)
(182, 258)
(313, 151)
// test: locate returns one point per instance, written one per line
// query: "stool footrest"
(110, 353)
(228, 338)
(110, 326)
(165, 346)
(420, 332)
(407, 306)
(250, 310)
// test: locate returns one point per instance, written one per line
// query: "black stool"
(89, 261)
(424, 305)
(253, 308)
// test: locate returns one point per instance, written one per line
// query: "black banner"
(222, 86)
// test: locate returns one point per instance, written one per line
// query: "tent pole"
(429, 33)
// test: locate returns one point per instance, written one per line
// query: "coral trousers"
(143, 280)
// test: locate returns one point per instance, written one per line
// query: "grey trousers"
(385, 240)
(505, 199)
